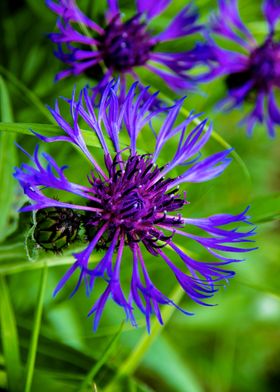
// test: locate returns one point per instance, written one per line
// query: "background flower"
(134, 203)
(122, 46)
(253, 72)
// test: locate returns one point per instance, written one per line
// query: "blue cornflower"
(253, 73)
(131, 205)
(122, 46)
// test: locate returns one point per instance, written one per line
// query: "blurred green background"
(47, 344)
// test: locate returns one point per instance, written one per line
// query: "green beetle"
(56, 228)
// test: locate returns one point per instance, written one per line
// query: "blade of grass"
(10, 340)
(8, 161)
(103, 359)
(54, 130)
(265, 208)
(53, 351)
(27, 93)
(11, 255)
(3, 380)
(45, 130)
(51, 261)
(36, 329)
(223, 359)
(258, 286)
(130, 365)
(179, 366)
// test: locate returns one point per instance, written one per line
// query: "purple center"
(125, 45)
(134, 199)
(263, 69)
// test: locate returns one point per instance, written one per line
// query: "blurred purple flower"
(253, 73)
(131, 207)
(122, 46)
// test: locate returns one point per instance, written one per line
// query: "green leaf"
(9, 337)
(265, 208)
(40, 9)
(180, 368)
(5, 104)
(45, 130)
(54, 130)
(27, 93)
(223, 359)
(50, 261)
(7, 163)
(3, 380)
(36, 329)
(50, 349)
(86, 384)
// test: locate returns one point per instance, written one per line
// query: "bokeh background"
(47, 344)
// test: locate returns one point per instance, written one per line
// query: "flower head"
(132, 205)
(253, 73)
(121, 46)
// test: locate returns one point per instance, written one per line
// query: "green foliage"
(8, 159)
(35, 333)
(9, 336)
(47, 344)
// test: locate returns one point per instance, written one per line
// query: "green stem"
(9, 337)
(35, 335)
(46, 261)
(107, 352)
(130, 365)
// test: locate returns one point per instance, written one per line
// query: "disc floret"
(134, 199)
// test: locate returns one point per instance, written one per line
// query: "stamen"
(125, 205)
(125, 45)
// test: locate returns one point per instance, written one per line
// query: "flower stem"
(36, 329)
(130, 365)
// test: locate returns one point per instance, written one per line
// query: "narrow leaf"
(9, 337)
(26, 92)
(97, 366)
(7, 163)
(265, 208)
(36, 329)
(54, 130)
(45, 130)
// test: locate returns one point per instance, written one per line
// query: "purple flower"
(121, 46)
(253, 73)
(131, 205)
